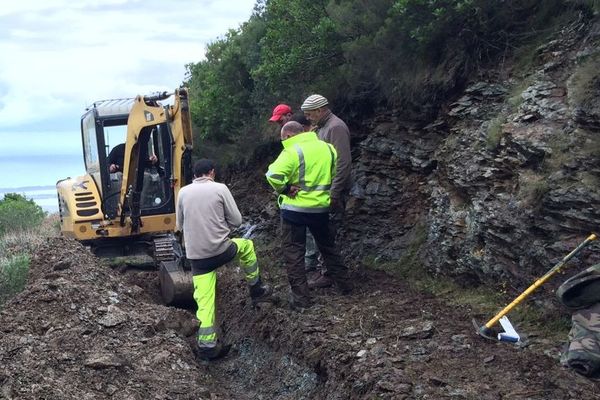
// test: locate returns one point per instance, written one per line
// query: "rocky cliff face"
(502, 185)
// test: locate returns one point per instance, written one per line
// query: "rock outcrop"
(502, 185)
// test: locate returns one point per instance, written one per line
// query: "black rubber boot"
(260, 292)
(213, 353)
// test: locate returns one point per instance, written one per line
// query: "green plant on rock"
(409, 266)
(494, 133)
(560, 154)
(532, 187)
(515, 97)
(584, 85)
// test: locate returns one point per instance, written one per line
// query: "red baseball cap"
(280, 111)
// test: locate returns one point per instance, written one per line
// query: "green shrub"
(13, 276)
(361, 55)
(17, 213)
(532, 188)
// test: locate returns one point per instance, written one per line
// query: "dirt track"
(84, 331)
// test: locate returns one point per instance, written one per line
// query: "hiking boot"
(298, 302)
(320, 281)
(213, 353)
(260, 292)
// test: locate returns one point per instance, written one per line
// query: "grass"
(15, 250)
(515, 98)
(585, 82)
(560, 146)
(494, 133)
(532, 187)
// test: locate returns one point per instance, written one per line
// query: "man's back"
(206, 211)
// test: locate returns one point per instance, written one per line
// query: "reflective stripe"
(275, 176)
(301, 165)
(207, 344)
(209, 330)
(314, 210)
(250, 269)
(315, 188)
(252, 281)
(302, 172)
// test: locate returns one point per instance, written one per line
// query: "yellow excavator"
(137, 154)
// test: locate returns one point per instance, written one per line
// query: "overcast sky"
(58, 56)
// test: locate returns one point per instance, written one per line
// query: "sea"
(43, 196)
(35, 176)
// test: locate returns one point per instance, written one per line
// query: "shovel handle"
(539, 282)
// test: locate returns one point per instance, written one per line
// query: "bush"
(22, 242)
(13, 276)
(17, 213)
(362, 55)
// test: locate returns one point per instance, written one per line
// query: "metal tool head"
(484, 331)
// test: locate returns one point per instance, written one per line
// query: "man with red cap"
(282, 113)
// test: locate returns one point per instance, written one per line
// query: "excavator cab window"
(90, 146)
(103, 136)
(156, 190)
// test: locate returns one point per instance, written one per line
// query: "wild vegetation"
(23, 228)
(406, 54)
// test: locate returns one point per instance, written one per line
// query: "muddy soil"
(81, 330)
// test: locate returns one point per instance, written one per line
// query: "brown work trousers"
(294, 247)
(312, 258)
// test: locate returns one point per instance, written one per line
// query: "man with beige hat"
(331, 129)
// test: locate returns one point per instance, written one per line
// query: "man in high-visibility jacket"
(302, 175)
(206, 211)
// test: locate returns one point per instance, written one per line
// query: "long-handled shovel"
(486, 330)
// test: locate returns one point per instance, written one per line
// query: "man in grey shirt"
(331, 129)
(206, 212)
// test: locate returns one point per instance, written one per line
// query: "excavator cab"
(137, 155)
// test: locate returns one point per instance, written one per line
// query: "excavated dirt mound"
(81, 330)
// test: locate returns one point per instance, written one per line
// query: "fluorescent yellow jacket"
(308, 163)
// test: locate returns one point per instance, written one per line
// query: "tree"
(300, 49)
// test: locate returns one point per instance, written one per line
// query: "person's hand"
(178, 236)
(293, 191)
(113, 168)
(153, 159)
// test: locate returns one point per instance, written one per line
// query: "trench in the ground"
(252, 369)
